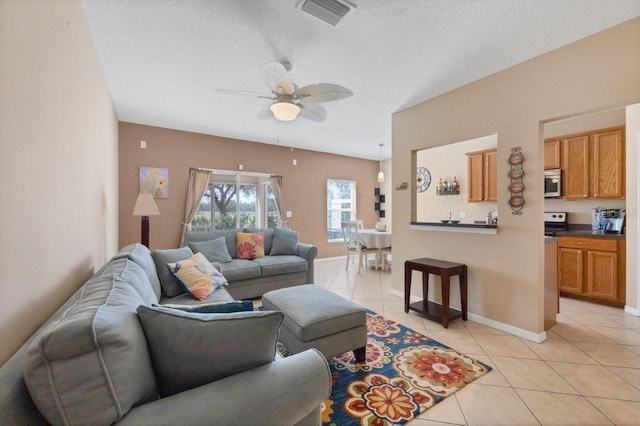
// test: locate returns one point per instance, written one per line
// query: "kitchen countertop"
(582, 233)
(549, 240)
(472, 228)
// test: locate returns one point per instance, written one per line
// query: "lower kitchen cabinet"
(592, 269)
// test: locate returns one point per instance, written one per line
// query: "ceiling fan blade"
(243, 93)
(277, 78)
(312, 111)
(323, 92)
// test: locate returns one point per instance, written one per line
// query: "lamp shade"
(145, 206)
(285, 111)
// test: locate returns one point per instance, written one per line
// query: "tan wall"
(305, 184)
(633, 204)
(506, 270)
(58, 163)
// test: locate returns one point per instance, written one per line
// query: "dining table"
(372, 238)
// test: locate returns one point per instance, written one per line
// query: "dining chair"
(384, 252)
(350, 235)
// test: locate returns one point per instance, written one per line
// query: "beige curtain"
(198, 182)
(278, 192)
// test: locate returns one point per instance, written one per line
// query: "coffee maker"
(608, 220)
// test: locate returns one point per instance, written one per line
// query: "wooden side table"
(445, 270)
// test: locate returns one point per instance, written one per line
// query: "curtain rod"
(231, 172)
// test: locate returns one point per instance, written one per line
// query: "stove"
(554, 222)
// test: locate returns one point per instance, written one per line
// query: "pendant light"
(380, 174)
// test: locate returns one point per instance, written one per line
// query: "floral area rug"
(405, 374)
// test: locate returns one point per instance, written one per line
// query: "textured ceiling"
(163, 59)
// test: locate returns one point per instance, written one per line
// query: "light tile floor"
(586, 373)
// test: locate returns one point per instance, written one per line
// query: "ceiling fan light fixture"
(285, 111)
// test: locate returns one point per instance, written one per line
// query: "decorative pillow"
(285, 241)
(214, 250)
(197, 275)
(190, 350)
(250, 245)
(214, 308)
(170, 285)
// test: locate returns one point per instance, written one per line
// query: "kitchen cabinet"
(592, 269)
(575, 181)
(608, 164)
(483, 175)
(552, 154)
(593, 164)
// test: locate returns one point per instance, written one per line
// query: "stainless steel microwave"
(553, 183)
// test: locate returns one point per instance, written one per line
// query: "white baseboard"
(632, 311)
(525, 334)
(329, 259)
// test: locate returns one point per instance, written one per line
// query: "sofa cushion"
(214, 250)
(142, 257)
(129, 272)
(219, 296)
(250, 245)
(228, 234)
(198, 277)
(277, 265)
(190, 350)
(170, 285)
(92, 364)
(285, 241)
(239, 269)
(268, 237)
(214, 308)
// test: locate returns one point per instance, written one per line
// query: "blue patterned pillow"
(214, 308)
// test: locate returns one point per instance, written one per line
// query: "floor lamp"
(145, 207)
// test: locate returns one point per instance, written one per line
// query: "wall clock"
(423, 180)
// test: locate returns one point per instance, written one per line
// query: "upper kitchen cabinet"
(593, 164)
(608, 164)
(552, 154)
(483, 175)
(575, 153)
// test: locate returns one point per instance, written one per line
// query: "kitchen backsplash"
(580, 210)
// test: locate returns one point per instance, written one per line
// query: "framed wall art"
(154, 180)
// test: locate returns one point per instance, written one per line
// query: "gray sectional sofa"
(110, 355)
(286, 263)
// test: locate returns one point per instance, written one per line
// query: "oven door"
(552, 184)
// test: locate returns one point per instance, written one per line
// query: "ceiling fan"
(289, 100)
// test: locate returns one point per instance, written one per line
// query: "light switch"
(463, 215)
(143, 144)
(289, 214)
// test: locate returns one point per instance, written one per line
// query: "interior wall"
(506, 270)
(633, 206)
(305, 184)
(58, 163)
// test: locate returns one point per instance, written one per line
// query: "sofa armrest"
(285, 391)
(309, 252)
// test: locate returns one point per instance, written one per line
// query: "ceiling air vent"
(329, 11)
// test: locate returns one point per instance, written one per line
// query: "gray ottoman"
(318, 318)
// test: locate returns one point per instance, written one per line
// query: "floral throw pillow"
(197, 275)
(250, 245)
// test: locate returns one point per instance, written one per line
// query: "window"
(246, 203)
(341, 206)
